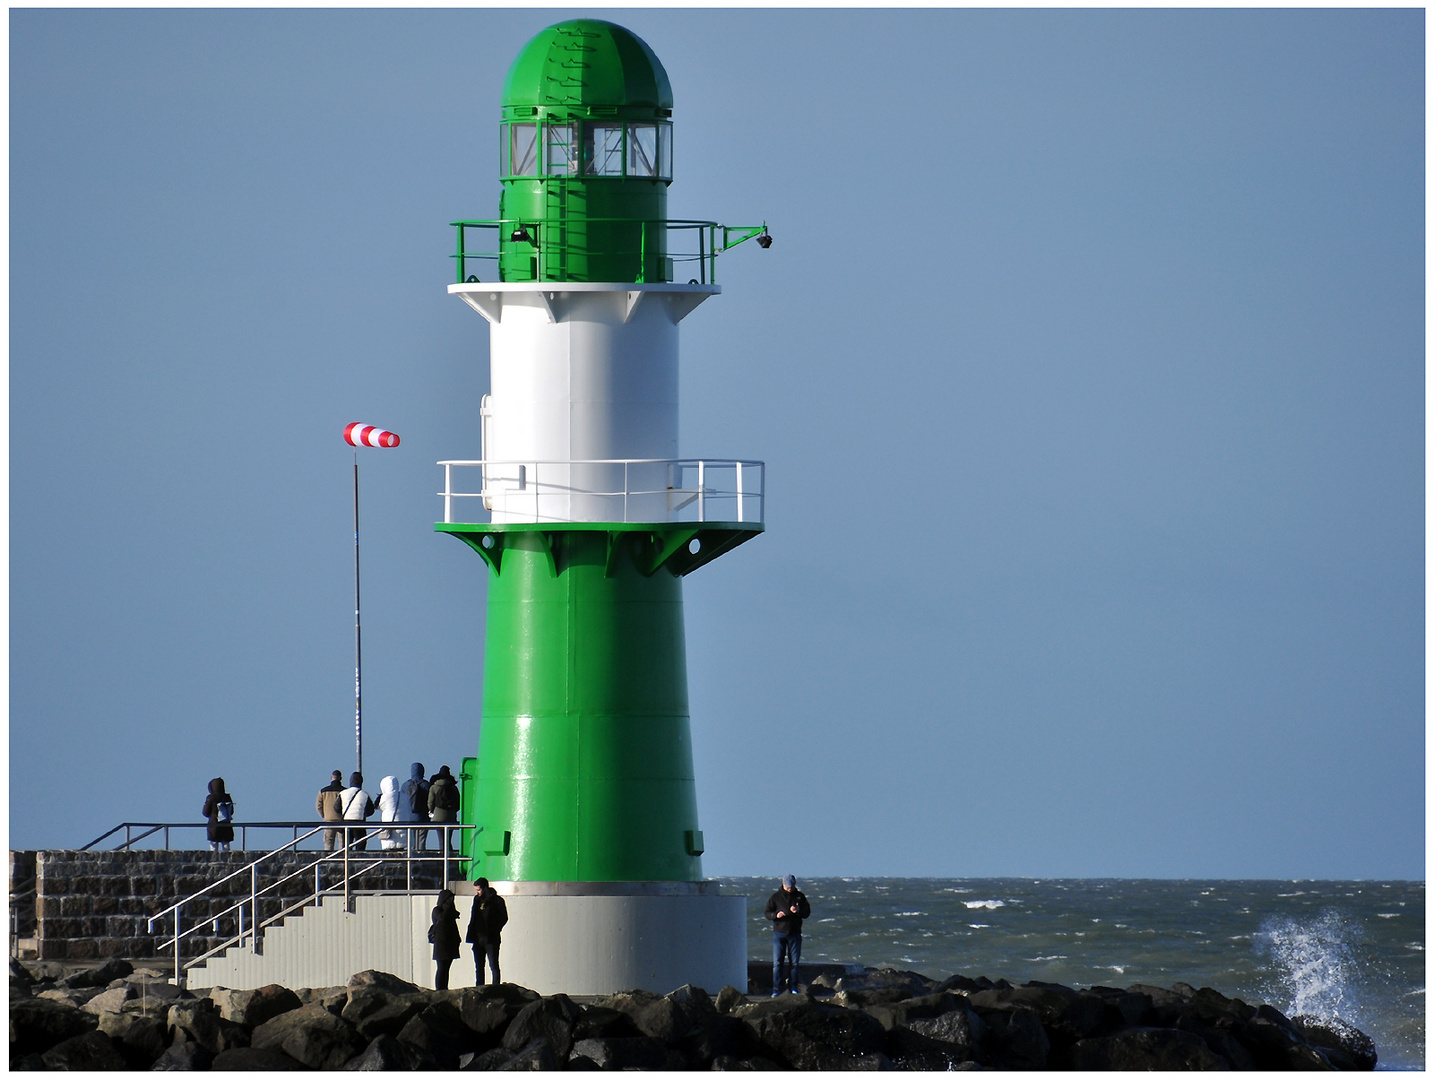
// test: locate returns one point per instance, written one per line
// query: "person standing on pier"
(327, 807)
(219, 809)
(444, 936)
(356, 804)
(485, 928)
(786, 908)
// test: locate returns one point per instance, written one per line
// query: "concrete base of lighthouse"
(606, 937)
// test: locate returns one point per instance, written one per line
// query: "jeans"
(219, 845)
(491, 951)
(785, 948)
(330, 839)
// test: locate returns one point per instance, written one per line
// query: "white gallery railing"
(638, 490)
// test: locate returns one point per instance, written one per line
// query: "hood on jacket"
(388, 785)
(415, 771)
(216, 786)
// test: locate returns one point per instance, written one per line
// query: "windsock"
(368, 435)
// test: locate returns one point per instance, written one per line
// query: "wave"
(1314, 964)
(989, 905)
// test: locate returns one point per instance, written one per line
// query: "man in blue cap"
(787, 907)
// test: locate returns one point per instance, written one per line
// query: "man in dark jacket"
(327, 807)
(787, 907)
(485, 927)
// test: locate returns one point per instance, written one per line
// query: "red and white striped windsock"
(368, 435)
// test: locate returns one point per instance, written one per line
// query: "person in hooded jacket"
(485, 928)
(356, 804)
(444, 936)
(443, 800)
(413, 805)
(219, 809)
(388, 803)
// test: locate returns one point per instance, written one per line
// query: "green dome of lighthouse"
(584, 63)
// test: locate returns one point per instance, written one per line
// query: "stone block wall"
(97, 904)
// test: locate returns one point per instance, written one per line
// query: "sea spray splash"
(1314, 964)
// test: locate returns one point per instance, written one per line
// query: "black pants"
(491, 952)
(440, 980)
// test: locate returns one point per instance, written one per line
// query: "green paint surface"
(585, 751)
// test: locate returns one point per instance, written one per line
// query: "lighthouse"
(582, 796)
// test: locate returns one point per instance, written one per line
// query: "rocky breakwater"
(115, 1017)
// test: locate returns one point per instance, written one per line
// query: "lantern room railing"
(637, 490)
(696, 261)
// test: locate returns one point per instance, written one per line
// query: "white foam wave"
(1313, 963)
(899, 914)
(989, 905)
(1037, 959)
(979, 925)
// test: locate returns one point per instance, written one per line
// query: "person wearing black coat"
(485, 928)
(221, 832)
(786, 908)
(444, 935)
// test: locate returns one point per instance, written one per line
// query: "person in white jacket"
(356, 804)
(389, 798)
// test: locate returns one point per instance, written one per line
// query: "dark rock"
(877, 1062)
(310, 1034)
(268, 1002)
(376, 1012)
(640, 1052)
(914, 1051)
(813, 1035)
(537, 1056)
(198, 1021)
(1218, 1035)
(886, 979)
(382, 980)
(489, 1060)
(247, 1059)
(27, 1063)
(37, 1024)
(89, 1052)
(19, 973)
(552, 1017)
(862, 999)
(728, 998)
(147, 990)
(631, 1002)
(959, 1027)
(665, 1019)
(1276, 1043)
(756, 1064)
(386, 1052)
(1014, 1038)
(138, 1038)
(721, 1036)
(103, 975)
(1123, 1008)
(184, 1057)
(1064, 1013)
(110, 1001)
(583, 1064)
(1346, 1047)
(962, 984)
(599, 1022)
(487, 1010)
(438, 1033)
(1164, 1049)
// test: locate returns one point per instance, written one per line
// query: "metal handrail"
(522, 488)
(369, 862)
(713, 238)
(153, 827)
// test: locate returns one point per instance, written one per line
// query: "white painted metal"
(688, 489)
(580, 374)
(572, 944)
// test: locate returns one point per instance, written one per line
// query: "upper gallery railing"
(636, 490)
(557, 242)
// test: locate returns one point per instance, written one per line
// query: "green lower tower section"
(584, 768)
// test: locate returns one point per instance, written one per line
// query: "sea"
(1353, 949)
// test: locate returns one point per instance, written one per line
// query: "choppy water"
(1354, 949)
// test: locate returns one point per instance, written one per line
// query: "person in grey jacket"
(443, 800)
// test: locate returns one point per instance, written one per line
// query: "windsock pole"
(357, 435)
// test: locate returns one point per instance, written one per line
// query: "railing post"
(625, 485)
(243, 837)
(739, 493)
(241, 925)
(126, 836)
(166, 838)
(346, 870)
(408, 862)
(762, 498)
(447, 835)
(447, 493)
(701, 490)
(177, 972)
(253, 904)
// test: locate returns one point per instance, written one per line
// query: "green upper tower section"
(585, 63)
(585, 158)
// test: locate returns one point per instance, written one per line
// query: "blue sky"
(1088, 368)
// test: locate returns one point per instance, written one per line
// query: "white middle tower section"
(581, 423)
